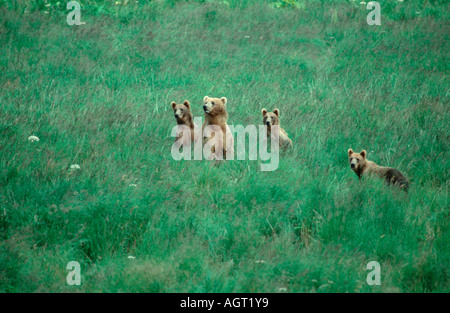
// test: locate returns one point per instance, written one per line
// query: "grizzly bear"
(182, 113)
(273, 118)
(361, 166)
(216, 116)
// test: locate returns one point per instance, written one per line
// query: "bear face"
(182, 112)
(357, 160)
(214, 106)
(271, 118)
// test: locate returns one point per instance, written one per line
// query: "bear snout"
(352, 166)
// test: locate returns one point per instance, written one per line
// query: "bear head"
(357, 160)
(214, 106)
(182, 112)
(271, 118)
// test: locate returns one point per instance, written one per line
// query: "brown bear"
(182, 113)
(273, 118)
(361, 166)
(216, 116)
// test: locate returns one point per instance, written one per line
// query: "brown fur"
(273, 118)
(216, 114)
(183, 116)
(361, 166)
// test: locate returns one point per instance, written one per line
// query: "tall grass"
(99, 95)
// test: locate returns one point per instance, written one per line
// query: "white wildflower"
(33, 138)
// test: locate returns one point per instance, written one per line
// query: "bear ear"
(350, 152)
(277, 112)
(363, 154)
(186, 104)
(264, 112)
(224, 100)
(173, 105)
(204, 98)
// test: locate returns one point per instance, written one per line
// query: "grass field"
(99, 95)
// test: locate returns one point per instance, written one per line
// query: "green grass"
(99, 95)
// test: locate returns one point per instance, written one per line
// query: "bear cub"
(361, 166)
(216, 115)
(273, 118)
(183, 116)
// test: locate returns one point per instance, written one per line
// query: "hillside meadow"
(98, 95)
